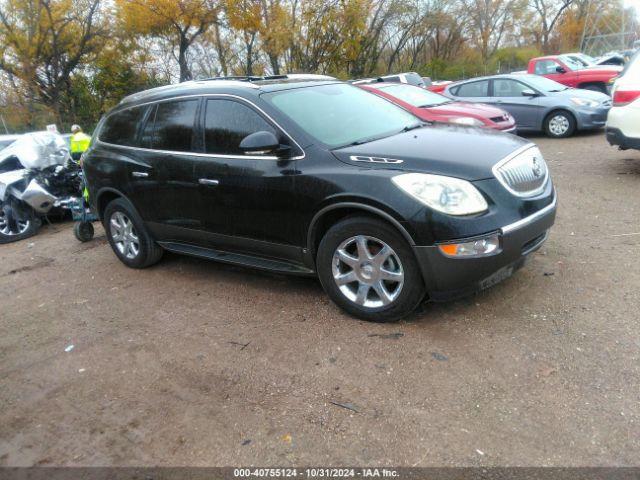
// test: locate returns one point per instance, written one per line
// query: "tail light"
(624, 97)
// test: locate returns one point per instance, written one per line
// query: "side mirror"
(560, 69)
(261, 143)
(529, 93)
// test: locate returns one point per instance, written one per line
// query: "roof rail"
(247, 78)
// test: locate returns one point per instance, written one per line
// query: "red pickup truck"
(563, 69)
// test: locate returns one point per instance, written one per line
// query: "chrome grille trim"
(365, 158)
(520, 180)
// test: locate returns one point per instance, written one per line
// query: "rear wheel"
(559, 124)
(369, 270)
(13, 229)
(128, 237)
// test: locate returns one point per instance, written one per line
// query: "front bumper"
(447, 278)
(592, 118)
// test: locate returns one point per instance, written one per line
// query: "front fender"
(7, 179)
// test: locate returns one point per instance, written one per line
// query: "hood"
(582, 93)
(457, 151)
(605, 68)
(38, 150)
(600, 70)
(477, 110)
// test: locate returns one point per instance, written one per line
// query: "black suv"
(308, 175)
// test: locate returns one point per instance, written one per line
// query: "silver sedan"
(537, 103)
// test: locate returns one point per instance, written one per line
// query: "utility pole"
(4, 125)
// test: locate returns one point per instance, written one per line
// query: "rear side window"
(121, 128)
(474, 89)
(227, 122)
(173, 125)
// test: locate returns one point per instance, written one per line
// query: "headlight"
(470, 121)
(444, 194)
(584, 102)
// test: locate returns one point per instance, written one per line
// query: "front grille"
(523, 174)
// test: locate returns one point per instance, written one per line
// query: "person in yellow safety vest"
(79, 142)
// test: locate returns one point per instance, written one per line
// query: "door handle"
(208, 181)
(139, 174)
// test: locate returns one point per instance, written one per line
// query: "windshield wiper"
(428, 105)
(408, 128)
(380, 137)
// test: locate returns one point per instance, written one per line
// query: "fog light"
(476, 248)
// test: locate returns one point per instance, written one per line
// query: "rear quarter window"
(121, 128)
(474, 89)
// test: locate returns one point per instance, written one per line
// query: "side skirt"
(261, 263)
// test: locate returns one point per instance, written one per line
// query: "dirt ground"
(198, 363)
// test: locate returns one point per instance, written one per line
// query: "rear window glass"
(173, 126)
(121, 128)
(414, 79)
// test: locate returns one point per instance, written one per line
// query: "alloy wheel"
(367, 271)
(559, 125)
(10, 226)
(124, 235)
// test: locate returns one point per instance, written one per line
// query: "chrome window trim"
(511, 156)
(202, 154)
(531, 218)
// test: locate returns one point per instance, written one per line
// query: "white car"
(623, 122)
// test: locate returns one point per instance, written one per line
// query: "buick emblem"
(536, 167)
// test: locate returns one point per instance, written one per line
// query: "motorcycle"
(38, 177)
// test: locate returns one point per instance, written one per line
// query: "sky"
(633, 3)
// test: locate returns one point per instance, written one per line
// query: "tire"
(13, 232)
(559, 124)
(83, 231)
(360, 297)
(128, 237)
(594, 87)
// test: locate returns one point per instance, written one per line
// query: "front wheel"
(369, 270)
(13, 229)
(559, 124)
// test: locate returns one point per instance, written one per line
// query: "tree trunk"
(185, 73)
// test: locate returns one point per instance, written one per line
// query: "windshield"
(340, 114)
(571, 63)
(415, 96)
(543, 84)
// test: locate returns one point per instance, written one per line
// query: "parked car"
(587, 61)
(439, 86)
(410, 78)
(537, 103)
(563, 69)
(433, 107)
(318, 178)
(6, 140)
(623, 122)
